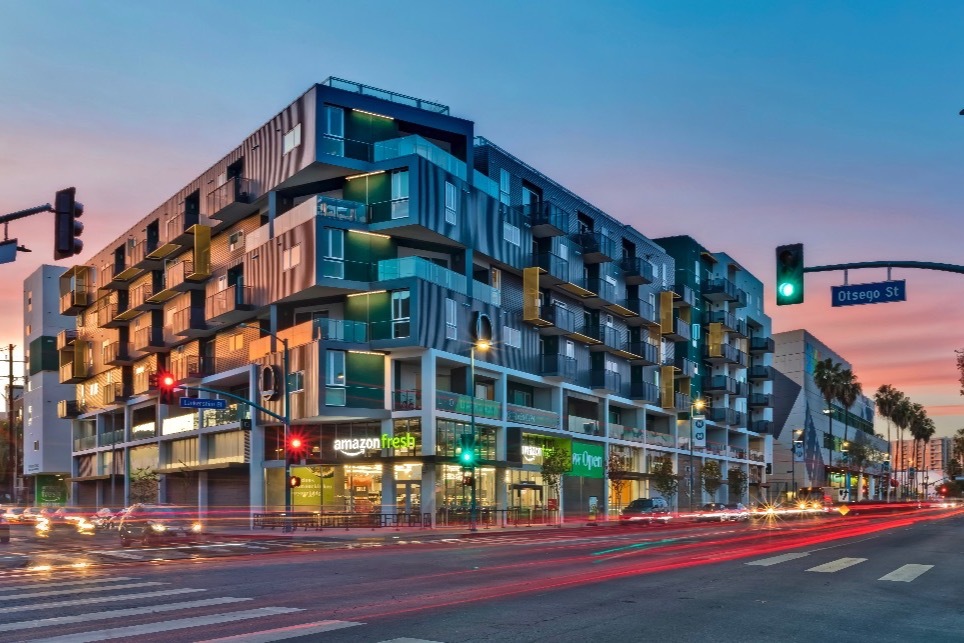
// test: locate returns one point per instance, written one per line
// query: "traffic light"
(790, 274)
(467, 454)
(294, 481)
(66, 226)
(165, 386)
(942, 490)
(468, 479)
(296, 450)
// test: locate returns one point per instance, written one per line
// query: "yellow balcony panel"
(164, 251)
(620, 310)
(576, 289)
(128, 273)
(585, 339)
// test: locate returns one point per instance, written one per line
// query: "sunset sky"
(745, 125)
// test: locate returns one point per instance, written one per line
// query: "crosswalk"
(904, 574)
(47, 609)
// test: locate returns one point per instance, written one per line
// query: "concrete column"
(389, 491)
(429, 477)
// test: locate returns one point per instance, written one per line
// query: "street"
(849, 578)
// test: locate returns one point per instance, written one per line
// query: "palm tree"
(918, 428)
(848, 390)
(826, 375)
(903, 411)
(958, 449)
(887, 398)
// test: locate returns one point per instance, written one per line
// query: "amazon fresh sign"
(359, 446)
(587, 460)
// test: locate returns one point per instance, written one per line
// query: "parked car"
(737, 511)
(646, 510)
(13, 514)
(4, 531)
(712, 512)
(150, 524)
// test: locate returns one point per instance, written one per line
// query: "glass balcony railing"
(533, 416)
(458, 403)
(553, 264)
(407, 400)
(383, 94)
(558, 366)
(340, 330)
(587, 426)
(485, 184)
(235, 412)
(408, 145)
(422, 269)
(85, 442)
(342, 210)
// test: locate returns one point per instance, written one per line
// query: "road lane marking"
(61, 592)
(122, 613)
(907, 573)
(96, 599)
(283, 633)
(776, 560)
(406, 639)
(836, 565)
(119, 554)
(168, 626)
(59, 583)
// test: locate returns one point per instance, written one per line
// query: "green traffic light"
(786, 290)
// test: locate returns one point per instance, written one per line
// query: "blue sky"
(745, 125)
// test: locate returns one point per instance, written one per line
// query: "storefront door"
(409, 496)
(526, 496)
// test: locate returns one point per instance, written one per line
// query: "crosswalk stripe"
(906, 574)
(168, 626)
(775, 560)
(81, 590)
(97, 599)
(121, 613)
(837, 565)
(282, 633)
(59, 583)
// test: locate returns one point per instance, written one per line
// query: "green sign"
(50, 490)
(588, 459)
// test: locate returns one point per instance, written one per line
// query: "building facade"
(920, 466)
(811, 442)
(46, 436)
(368, 236)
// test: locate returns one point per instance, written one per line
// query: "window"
(296, 382)
(334, 121)
(451, 203)
(512, 337)
(291, 257)
(335, 374)
(401, 314)
(292, 139)
(564, 251)
(29, 300)
(400, 194)
(28, 329)
(36, 445)
(611, 365)
(236, 240)
(512, 234)
(222, 284)
(570, 349)
(451, 319)
(505, 186)
(334, 243)
(236, 342)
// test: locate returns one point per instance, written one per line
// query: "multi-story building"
(822, 436)
(46, 437)
(368, 236)
(921, 464)
(724, 345)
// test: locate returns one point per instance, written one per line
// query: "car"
(13, 514)
(113, 522)
(153, 523)
(646, 510)
(4, 531)
(712, 512)
(33, 515)
(737, 511)
(101, 518)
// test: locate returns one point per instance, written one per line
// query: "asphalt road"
(892, 578)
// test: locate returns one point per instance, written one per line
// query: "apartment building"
(367, 234)
(922, 463)
(822, 435)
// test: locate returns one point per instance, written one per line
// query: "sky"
(745, 125)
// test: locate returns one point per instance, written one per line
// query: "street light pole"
(697, 405)
(793, 461)
(483, 346)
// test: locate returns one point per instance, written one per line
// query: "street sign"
(877, 293)
(197, 403)
(699, 431)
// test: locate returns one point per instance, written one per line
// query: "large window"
(333, 251)
(333, 141)
(512, 234)
(401, 314)
(400, 194)
(451, 203)
(292, 138)
(504, 186)
(335, 378)
(451, 319)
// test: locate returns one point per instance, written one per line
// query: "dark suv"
(646, 510)
(150, 524)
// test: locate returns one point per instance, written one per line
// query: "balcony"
(609, 338)
(720, 384)
(192, 367)
(606, 380)
(596, 247)
(561, 320)
(679, 401)
(644, 391)
(232, 201)
(759, 400)
(683, 296)
(727, 320)
(114, 393)
(69, 409)
(723, 415)
(340, 330)
(233, 304)
(643, 311)
(85, 442)
(75, 371)
(719, 290)
(342, 210)
(414, 144)
(422, 268)
(546, 219)
(116, 275)
(532, 416)
(76, 289)
(75, 301)
(555, 269)
(726, 354)
(66, 338)
(601, 293)
(636, 271)
(180, 228)
(149, 339)
(762, 426)
(183, 276)
(117, 354)
(645, 352)
(757, 373)
(684, 367)
(586, 426)
(678, 332)
(141, 255)
(467, 405)
(189, 322)
(558, 366)
(141, 298)
(760, 345)
(407, 400)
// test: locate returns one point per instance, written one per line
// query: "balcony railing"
(66, 338)
(642, 308)
(114, 393)
(721, 384)
(586, 426)
(147, 338)
(647, 351)
(605, 379)
(636, 270)
(722, 290)
(193, 367)
(74, 301)
(622, 432)
(684, 296)
(761, 345)
(759, 372)
(408, 145)
(759, 400)
(342, 210)
(533, 416)
(188, 319)
(401, 99)
(73, 372)
(117, 353)
(546, 218)
(680, 331)
(727, 353)
(407, 400)
(458, 403)
(558, 366)
(686, 367)
(234, 298)
(660, 439)
(85, 442)
(340, 330)
(596, 247)
(554, 265)
(69, 409)
(762, 426)
(724, 415)
(645, 391)
(422, 269)
(603, 289)
(608, 335)
(236, 190)
(235, 412)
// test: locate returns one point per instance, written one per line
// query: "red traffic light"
(166, 383)
(167, 380)
(295, 443)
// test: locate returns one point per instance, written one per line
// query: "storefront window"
(455, 495)
(410, 427)
(448, 433)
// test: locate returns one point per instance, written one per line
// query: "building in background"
(821, 458)
(920, 466)
(47, 443)
(374, 235)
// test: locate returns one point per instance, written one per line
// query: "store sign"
(587, 460)
(531, 454)
(358, 446)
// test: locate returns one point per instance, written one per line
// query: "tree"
(858, 455)
(848, 390)
(616, 468)
(826, 376)
(960, 367)
(737, 480)
(953, 469)
(556, 462)
(664, 480)
(958, 447)
(887, 399)
(711, 477)
(144, 483)
(902, 415)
